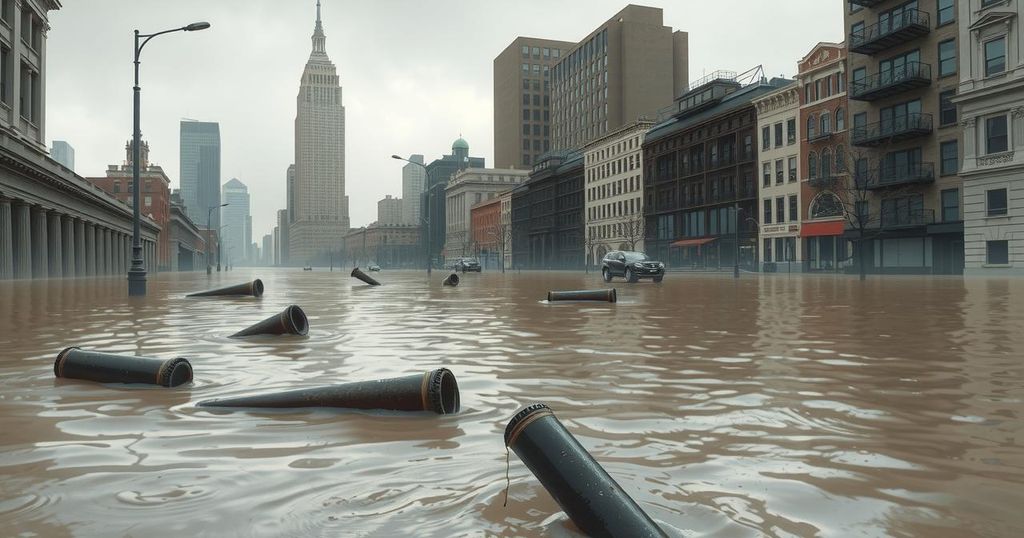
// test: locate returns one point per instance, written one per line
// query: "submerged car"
(466, 264)
(631, 265)
(374, 267)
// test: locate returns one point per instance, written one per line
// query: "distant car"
(374, 267)
(631, 265)
(466, 264)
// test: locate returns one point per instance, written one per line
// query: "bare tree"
(501, 234)
(631, 228)
(590, 243)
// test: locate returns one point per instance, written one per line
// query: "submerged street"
(773, 405)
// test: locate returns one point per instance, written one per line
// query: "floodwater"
(772, 406)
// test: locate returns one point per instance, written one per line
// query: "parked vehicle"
(373, 267)
(466, 264)
(632, 266)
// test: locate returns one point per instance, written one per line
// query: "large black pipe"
(364, 277)
(254, 288)
(435, 391)
(76, 363)
(291, 320)
(586, 493)
(451, 280)
(584, 295)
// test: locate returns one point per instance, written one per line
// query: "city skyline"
(425, 95)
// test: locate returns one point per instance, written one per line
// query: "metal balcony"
(903, 174)
(867, 3)
(883, 35)
(896, 129)
(908, 219)
(887, 83)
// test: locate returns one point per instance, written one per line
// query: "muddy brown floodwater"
(772, 406)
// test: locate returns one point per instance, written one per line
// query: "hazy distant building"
(522, 102)
(320, 205)
(432, 201)
(465, 189)
(290, 200)
(200, 170)
(389, 210)
(627, 69)
(282, 243)
(267, 253)
(63, 153)
(414, 179)
(237, 232)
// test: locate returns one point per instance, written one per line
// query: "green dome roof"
(460, 144)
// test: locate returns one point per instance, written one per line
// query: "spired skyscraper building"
(321, 215)
(199, 157)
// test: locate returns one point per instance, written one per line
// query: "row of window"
(785, 249)
(536, 99)
(536, 129)
(780, 172)
(780, 210)
(615, 188)
(821, 164)
(536, 70)
(537, 51)
(538, 144)
(824, 87)
(536, 114)
(31, 25)
(824, 122)
(614, 209)
(585, 53)
(30, 96)
(766, 134)
(699, 223)
(608, 169)
(625, 145)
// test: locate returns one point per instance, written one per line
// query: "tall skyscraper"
(200, 170)
(522, 100)
(237, 233)
(389, 210)
(414, 181)
(63, 153)
(321, 206)
(290, 200)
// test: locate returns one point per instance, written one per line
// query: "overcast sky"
(415, 74)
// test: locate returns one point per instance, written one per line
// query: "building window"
(817, 90)
(995, 56)
(766, 138)
(767, 168)
(947, 108)
(808, 96)
(778, 134)
(526, 67)
(950, 159)
(950, 205)
(793, 217)
(767, 211)
(780, 177)
(840, 119)
(997, 252)
(995, 200)
(148, 201)
(947, 57)
(767, 249)
(860, 208)
(5, 74)
(996, 140)
(780, 209)
(826, 123)
(117, 186)
(947, 13)
(812, 165)
(857, 31)
(748, 147)
(791, 131)
(812, 127)
(526, 128)
(792, 169)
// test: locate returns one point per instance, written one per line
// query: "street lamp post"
(137, 272)
(219, 242)
(424, 218)
(209, 230)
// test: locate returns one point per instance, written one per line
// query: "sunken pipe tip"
(580, 486)
(364, 277)
(451, 280)
(291, 320)
(608, 295)
(76, 363)
(436, 391)
(254, 288)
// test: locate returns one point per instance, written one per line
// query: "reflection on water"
(780, 406)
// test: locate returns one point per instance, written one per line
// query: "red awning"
(815, 229)
(693, 242)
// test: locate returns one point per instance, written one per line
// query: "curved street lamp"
(424, 217)
(137, 273)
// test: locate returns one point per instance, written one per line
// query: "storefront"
(824, 247)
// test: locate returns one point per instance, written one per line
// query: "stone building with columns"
(53, 223)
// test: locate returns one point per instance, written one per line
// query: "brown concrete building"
(387, 245)
(824, 107)
(905, 143)
(155, 196)
(522, 100)
(487, 234)
(625, 70)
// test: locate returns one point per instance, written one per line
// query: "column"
(80, 255)
(101, 252)
(54, 244)
(108, 256)
(40, 267)
(67, 242)
(21, 223)
(6, 241)
(115, 239)
(90, 249)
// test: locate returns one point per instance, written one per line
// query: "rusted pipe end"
(441, 392)
(174, 372)
(58, 365)
(523, 418)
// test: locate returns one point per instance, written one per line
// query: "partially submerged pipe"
(76, 363)
(254, 288)
(580, 486)
(435, 391)
(584, 295)
(291, 320)
(451, 280)
(364, 277)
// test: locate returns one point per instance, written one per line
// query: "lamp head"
(197, 26)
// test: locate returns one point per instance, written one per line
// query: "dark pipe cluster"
(584, 295)
(357, 273)
(75, 363)
(254, 288)
(586, 493)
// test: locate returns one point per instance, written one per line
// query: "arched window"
(826, 123)
(840, 119)
(840, 159)
(812, 127)
(812, 164)
(826, 205)
(826, 163)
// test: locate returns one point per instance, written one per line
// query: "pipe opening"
(443, 392)
(176, 372)
(513, 427)
(257, 288)
(297, 318)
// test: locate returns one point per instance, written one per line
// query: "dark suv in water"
(466, 264)
(631, 265)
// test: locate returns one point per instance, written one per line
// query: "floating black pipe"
(291, 320)
(451, 280)
(254, 288)
(586, 493)
(364, 277)
(76, 363)
(435, 391)
(584, 295)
